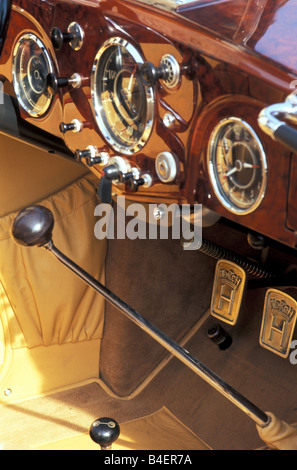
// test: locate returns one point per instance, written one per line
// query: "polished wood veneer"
(230, 67)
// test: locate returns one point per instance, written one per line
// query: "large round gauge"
(237, 166)
(31, 66)
(123, 106)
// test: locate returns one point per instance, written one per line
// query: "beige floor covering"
(158, 431)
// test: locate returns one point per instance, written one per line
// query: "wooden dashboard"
(223, 73)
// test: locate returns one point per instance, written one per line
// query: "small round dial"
(31, 66)
(237, 166)
(123, 107)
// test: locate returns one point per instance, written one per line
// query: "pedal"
(278, 322)
(228, 289)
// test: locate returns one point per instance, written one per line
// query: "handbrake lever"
(33, 227)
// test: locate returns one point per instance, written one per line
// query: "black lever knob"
(109, 174)
(58, 38)
(104, 431)
(33, 226)
(150, 74)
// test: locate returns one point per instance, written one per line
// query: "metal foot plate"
(228, 290)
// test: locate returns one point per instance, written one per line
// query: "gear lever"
(33, 226)
(104, 431)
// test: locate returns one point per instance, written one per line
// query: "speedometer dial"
(123, 106)
(237, 166)
(31, 66)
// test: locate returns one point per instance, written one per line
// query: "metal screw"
(158, 213)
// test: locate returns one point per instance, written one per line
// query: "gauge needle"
(249, 165)
(230, 172)
(239, 168)
(131, 79)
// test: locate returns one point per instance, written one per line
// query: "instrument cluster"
(127, 112)
(123, 105)
(237, 165)
(153, 118)
(114, 98)
(31, 66)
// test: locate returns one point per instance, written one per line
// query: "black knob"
(88, 155)
(58, 38)
(104, 431)
(33, 226)
(150, 74)
(111, 172)
(219, 336)
(123, 177)
(80, 154)
(132, 184)
(67, 127)
(53, 82)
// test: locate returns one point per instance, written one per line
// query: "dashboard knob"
(53, 82)
(124, 177)
(166, 167)
(133, 184)
(150, 74)
(74, 126)
(58, 38)
(90, 154)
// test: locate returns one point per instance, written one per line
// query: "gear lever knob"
(104, 431)
(33, 226)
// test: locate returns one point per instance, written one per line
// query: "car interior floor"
(172, 288)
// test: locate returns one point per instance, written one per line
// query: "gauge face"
(31, 65)
(123, 106)
(237, 166)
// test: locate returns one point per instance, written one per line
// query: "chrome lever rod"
(258, 416)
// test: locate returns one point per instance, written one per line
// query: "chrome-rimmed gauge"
(30, 68)
(237, 166)
(123, 106)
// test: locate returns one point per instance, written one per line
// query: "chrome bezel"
(213, 172)
(16, 81)
(98, 109)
